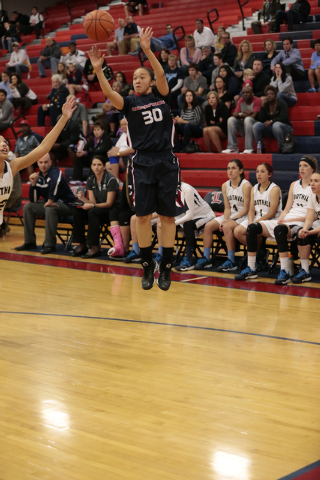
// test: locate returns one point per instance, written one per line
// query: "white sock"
(252, 262)
(305, 264)
(284, 264)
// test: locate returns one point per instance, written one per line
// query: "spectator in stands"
(26, 143)
(89, 71)
(80, 116)
(243, 119)
(244, 59)
(66, 142)
(49, 184)
(76, 80)
(36, 23)
(121, 79)
(232, 82)
(131, 38)
(206, 64)
(9, 35)
(19, 60)
(174, 76)
(273, 119)
(57, 98)
(20, 19)
(236, 196)
(229, 50)
(49, 57)
(167, 41)
(248, 76)
(314, 70)
(191, 123)
(203, 35)
(102, 207)
(118, 37)
(189, 54)
(261, 79)
(163, 57)
(270, 53)
(75, 56)
(98, 144)
(220, 87)
(3, 18)
(133, 6)
(282, 81)
(23, 96)
(195, 82)
(218, 62)
(110, 116)
(199, 213)
(5, 84)
(216, 116)
(15, 194)
(6, 111)
(291, 59)
(118, 155)
(298, 13)
(218, 46)
(62, 71)
(267, 16)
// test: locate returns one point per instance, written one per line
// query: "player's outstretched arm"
(97, 62)
(45, 146)
(162, 84)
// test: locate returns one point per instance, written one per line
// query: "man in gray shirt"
(6, 111)
(195, 82)
(118, 37)
(291, 59)
(5, 84)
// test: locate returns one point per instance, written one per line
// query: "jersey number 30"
(155, 115)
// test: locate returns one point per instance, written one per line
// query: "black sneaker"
(164, 280)
(147, 280)
(26, 246)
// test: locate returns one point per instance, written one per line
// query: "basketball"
(98, 25)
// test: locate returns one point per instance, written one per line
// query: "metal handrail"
(44, 19)
(212, 21)
(69, 8)
(242, 14)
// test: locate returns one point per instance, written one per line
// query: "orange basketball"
(98, 25)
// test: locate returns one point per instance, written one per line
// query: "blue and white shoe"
(312, 90)
(185, 265)
(133, 257)
(246, 274)
(203, 263)
(283, 278)
(157, 258)
(227, 266)
(302, 276)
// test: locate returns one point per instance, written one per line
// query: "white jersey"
(300, 200)
(198, 209)
(235, 198)
(314, 204)
(6, 183)
(262, 201)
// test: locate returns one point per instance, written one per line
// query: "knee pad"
(280, 233)
(253, 230)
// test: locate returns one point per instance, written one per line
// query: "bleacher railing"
(211, 22)
(241, 10)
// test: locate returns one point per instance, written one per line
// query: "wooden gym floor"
(101, 380)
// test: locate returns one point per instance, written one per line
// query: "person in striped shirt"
(191, 122)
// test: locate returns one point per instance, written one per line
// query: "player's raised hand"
(69, 107)
(96, 58)
(145, 38)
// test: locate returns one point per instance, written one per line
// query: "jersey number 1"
(155, 115)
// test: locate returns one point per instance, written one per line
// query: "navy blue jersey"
(150, 125)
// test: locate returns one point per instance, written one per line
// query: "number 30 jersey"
(150, 125)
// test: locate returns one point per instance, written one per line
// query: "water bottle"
(314, 18)
(290, 265)
(259, 148)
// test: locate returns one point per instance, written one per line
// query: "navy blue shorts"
(155, 179)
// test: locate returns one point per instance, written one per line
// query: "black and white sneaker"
(302, 277)
(164, 280)
(147, 280)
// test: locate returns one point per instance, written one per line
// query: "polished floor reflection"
(100, 380)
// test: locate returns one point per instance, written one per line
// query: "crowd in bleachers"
(217, 92)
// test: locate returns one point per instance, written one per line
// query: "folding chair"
(10, 211)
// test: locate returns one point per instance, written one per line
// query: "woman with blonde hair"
(270, 53)
(244, 59)
(218, 45)
(216, 116)
(62, 71)
(189, 54)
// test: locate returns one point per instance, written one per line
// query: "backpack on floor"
(192, 147)
(289, 144)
